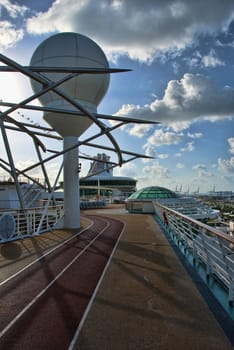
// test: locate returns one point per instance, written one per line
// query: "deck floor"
(146, 300)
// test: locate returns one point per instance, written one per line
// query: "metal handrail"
(207, 245)
(17, 224)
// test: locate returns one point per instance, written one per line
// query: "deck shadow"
(11, 251)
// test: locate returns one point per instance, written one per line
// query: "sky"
(182, 75)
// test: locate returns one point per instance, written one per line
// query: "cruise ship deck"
(146, 299)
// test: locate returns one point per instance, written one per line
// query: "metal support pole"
(71, 184)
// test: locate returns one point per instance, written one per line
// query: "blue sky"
(181, 56)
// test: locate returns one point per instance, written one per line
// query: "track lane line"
(44, 255)
(20, 314)
(77, 333)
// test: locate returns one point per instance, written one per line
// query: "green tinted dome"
(153, 193)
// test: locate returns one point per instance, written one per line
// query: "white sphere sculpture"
(71, 50)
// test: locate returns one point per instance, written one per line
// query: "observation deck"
(151, 297)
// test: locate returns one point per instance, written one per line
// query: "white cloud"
(146, 28)
(199, 167)
(188, 148)
(51, 168)
(156, 172)
(178, 155)
(226, 44)
(205, 174)
(211, 60)
(13, 9)
(226, 165)
(186, 100)
(163, 156)
(180, 165)
(179, 125)
(140, 130)
(202, 171)
(193, 61)
(196, 135)
(128, 169)
(161, 138)
(9, 35)
(231, 144)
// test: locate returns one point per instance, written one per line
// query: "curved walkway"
(43, 304)
(146, 299)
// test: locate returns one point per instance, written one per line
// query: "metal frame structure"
(36, 132)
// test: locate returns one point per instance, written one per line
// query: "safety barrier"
(18, 224)
(207, 245)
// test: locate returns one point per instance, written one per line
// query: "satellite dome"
(71, 50)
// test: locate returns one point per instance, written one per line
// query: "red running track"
(42, 307)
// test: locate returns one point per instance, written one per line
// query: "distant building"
(229, 195)
(100, 181)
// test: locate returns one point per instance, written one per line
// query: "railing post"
(209, 269)
(231, 292)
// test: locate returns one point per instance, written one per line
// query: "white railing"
(207, 245)
(18, 224)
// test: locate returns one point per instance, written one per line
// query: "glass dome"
(153, 193)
